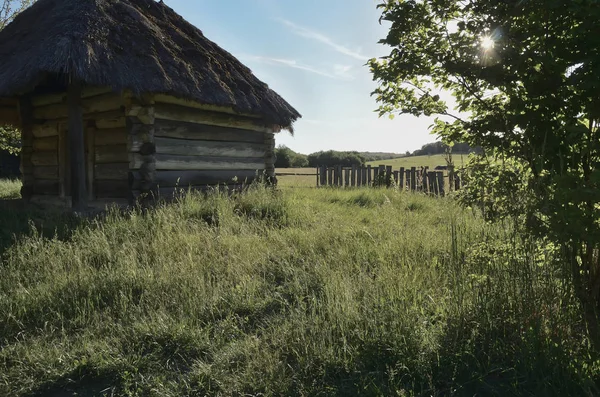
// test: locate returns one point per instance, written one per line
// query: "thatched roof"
(140, 45)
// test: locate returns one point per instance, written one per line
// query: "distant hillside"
(374, 156)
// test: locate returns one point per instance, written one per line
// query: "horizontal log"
(9, 115)
(204, 132)
(169, 99)
(115, 136)
(61, 97)
(112, 172)
(115, 189)
(45, 144)
(182, 113)
(96, 104)
(46, 187)
(48, 172)
(44, 158)
(197, 178)
(186, 147)
(45, 130)
(141, 114)
(173, 162)
(115, 121)
(111, 154)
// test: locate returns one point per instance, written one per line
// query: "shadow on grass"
(82, 382)
(17, 219)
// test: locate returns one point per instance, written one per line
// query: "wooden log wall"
(106, 157)
(141, 148)
(27, 140)
(417, 179)
(199, 147)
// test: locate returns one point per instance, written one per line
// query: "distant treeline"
(287, 158)
(433, 148)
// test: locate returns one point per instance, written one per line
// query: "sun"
(487, 43)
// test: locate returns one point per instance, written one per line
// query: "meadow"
(291, 181)
(296, 292)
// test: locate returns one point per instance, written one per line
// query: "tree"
(525, 76)
(287, 158)
(10, 8)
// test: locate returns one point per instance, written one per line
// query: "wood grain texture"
(183, 113)
(45, 130)
(115, 120)
(204, 132)
(76, 133)
(173, 162)
(186, 147)
(111, 154)
(114, 136)
(199, 177)
(97, 104)
(45, 144)
(169, 99)
(111, 172)
(44, 158)
(48, 172)
(117, 189)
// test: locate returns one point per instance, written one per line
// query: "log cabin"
(122, 99)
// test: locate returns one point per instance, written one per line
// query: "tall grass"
(10, 189)
(308, 293)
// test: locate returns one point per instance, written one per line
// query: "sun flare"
(487, 43)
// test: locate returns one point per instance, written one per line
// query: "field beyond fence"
(418, 179)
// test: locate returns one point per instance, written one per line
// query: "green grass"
(306, 292)
(422, 161)
(10, 189)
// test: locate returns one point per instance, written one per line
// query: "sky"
(313, 53)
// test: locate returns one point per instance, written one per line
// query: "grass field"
(10, 189)
(298, 292)
(406, 162)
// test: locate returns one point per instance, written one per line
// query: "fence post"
(382, 174)
(364, 176)
(323, 172)
(359, 176)
(395, 177)
(440, 178)
(425, 184)
(369, 174)
(432, 182)
(318, 176)
(346, 177)
(388, 175)
(413, 178)
(335, 175)
(330, 176)
(457, 181)
(375, 175)
(401, 175)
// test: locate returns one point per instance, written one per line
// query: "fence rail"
(417, 179)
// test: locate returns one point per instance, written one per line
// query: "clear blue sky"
(313, 52)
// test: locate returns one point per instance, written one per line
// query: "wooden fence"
(417, 179)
